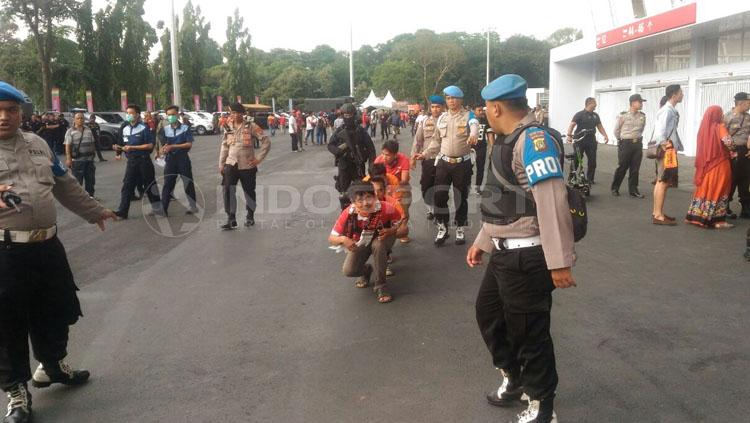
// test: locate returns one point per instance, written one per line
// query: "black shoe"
(249, 221)
(538, 411)
(508, 394)
(19, 404)
(102, 160)
(231, 224)
(47, 374)
(637, 195)
(615, 193)
(121, 215)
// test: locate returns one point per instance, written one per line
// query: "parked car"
(109, 124)
(202, 122)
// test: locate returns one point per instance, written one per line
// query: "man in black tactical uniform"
(354, 152)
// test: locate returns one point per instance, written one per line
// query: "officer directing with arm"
(457, 131)
(37, 292)
(629, 136)
(528, 231)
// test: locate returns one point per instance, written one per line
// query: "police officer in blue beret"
(422, 139)
(527, 230)
(38, 300)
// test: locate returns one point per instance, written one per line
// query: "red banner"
(56, 99)
(196, 102)
(239, 99)
(124, 100)
(149, 102)
(89, 101)
(675, 18)
(219, 106)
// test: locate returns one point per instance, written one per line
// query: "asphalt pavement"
(184, 322)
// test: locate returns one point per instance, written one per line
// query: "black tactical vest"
(504, 203)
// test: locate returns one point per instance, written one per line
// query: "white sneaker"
(442, 234)
(460, 236)
(538, 412)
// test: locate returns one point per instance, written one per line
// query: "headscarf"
(710, 152)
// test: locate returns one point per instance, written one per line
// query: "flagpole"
(351, 61)
(175, 61)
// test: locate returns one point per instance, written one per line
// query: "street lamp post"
(175, 61)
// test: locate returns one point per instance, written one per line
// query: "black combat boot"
(231, 223)
(59, 372)
(249, 221)
(538, 411)
(19, 404)
(509, 393)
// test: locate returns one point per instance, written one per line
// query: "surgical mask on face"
(172, 119)
(130, 118)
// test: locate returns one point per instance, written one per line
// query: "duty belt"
(454, 160)
(516, 243)
(32, 236)
(634, 141)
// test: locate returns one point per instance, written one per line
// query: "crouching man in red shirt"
(367, 228)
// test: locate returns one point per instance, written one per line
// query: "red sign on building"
(676, 18)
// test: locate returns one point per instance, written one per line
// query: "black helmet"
(348, 108)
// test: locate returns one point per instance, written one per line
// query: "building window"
(728, 48)
(665, 59)
(617, 68)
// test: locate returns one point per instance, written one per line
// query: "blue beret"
(505, 87)
(453, 91)
(436, 99)
(9, 92)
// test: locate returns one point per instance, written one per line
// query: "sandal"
(364, 280)
(383, 296)
(388, 271)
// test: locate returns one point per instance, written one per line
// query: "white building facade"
(703, 45)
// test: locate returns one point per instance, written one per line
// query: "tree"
(137, 40)
(86, 37)
(564, 36)
(42, 17)
(293, 82)
(237, 51)
(398, 76)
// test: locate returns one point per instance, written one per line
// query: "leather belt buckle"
(37, 235)
(499, 244)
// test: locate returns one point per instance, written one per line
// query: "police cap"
(636, 97)
(436, 99)
(506, 87)
(741, 97)
(10, 93)
(237, 107)
(453, 91)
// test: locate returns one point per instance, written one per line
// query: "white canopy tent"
(388, 100)
(379, 103)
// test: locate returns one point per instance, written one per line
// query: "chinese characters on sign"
(675, 18)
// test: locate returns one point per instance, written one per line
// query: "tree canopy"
(108, 51)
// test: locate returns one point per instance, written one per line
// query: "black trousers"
(458, 175)
(294, 141)
(174, 167)
(741, 178)
(139, 169)
(85, 173)
(588, 148)
(513, 313)
(38, 301)
(629, 157)
(481, 150)
(427, 181)
(247, 177)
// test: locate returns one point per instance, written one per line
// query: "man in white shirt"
(292, 125)
(310, 124)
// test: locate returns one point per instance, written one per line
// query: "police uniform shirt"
(629, 126)
(135, 135)
(38, 177)
(537, 168)
(424, 136)
(237, 146)
(174, 136)
(452, 135)
(586, 120)
(739, 127)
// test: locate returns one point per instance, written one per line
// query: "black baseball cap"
(237, 107)
(741, 97)
(636, 97)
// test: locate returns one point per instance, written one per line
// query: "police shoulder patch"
(540, 156)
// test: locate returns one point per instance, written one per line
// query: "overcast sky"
(303, 25)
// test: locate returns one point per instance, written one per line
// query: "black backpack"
(576, 201)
